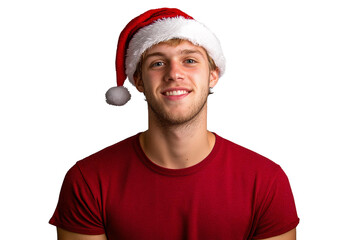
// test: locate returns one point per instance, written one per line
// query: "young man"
(176, 180)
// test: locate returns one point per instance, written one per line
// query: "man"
(176, 180)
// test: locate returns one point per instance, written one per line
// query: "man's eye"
(157, 64)
(190, 61)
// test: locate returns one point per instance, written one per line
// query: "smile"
(176, 93)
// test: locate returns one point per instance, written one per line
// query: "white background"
(290, 92)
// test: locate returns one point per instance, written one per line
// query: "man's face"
(176, 81)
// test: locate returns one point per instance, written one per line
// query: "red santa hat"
(151, 28)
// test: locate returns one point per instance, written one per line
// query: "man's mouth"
(176, 92)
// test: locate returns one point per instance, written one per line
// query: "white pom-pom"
(117, 96)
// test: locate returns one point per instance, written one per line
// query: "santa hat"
(151, 28)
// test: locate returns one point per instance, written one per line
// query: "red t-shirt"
(233, 193)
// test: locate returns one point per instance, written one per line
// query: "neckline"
(176, 172)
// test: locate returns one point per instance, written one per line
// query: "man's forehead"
(184, 47)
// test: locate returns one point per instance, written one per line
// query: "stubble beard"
(167, 119)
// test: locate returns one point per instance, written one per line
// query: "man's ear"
(139, 84)
(214, 77)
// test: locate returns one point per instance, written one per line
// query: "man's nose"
(175, 71)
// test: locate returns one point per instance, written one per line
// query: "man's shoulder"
(246, 157)
(113, 154)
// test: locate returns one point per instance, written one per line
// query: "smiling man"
(184, 94)
(177, 180)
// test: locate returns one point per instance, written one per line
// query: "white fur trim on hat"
(169, 28)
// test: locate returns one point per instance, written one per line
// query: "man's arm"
(66, 235)
(291, 235)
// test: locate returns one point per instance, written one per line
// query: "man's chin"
(176, 114)
(176, 118)
(173, 120)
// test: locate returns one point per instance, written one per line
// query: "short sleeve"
(77, 210)
(277, 213)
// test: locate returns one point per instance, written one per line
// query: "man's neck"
(178, 146)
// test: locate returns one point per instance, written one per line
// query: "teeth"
(175, 93)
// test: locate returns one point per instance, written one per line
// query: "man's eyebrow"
(160, 54)
(191, 51)
(182, 52)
